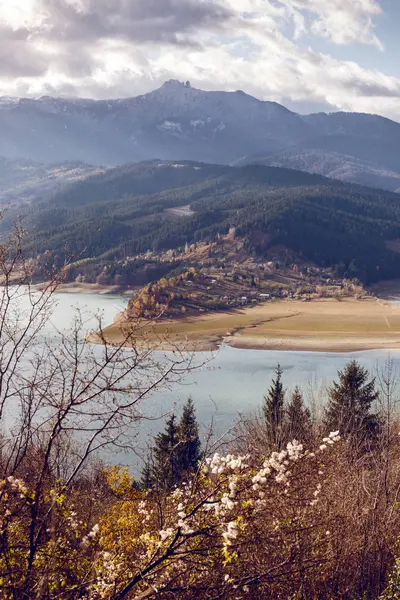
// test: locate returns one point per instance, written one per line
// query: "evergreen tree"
(146, 479)
(165, 471)
(273, 410)
(350, 402)
(298, 424)
(176, 451)
(189, 450)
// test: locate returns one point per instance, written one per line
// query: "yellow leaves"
(145, 298)
(57, 496)
(119, 481)
(137, 305)
(60, 499)
(229, 556)
(121, 531)
(241, 522)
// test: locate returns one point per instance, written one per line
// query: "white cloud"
(19, 14)
(343, 21)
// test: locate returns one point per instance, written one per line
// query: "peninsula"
(324, 325)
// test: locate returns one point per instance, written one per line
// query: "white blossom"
(166, 533)
(95, 530)
(231, 533)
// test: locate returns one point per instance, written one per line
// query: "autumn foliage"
(299, 523)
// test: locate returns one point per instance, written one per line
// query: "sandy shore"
(308, 344)
(322, 326)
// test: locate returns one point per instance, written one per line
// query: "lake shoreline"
(312, 345)
(322, 345)
(333, 326)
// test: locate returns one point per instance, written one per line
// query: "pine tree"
(165, 472)
(176, 451)
(146, 479)
(273, 410)
(298, 424)
(189, 450)
(350, 403)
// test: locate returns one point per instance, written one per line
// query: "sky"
(309, 55)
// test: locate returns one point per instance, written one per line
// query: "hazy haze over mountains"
(177, 121)
(22, 180)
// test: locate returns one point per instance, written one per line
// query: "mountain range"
(179, 122)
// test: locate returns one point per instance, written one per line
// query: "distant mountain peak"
(175, 84)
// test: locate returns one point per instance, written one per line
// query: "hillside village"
(222, 276)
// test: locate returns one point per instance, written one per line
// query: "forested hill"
(127, 210)
(154, 177)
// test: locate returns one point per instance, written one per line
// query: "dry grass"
(319, 325)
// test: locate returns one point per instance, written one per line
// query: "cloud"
(71, 37)
(342, 21)
(14, 48)
(165, 21)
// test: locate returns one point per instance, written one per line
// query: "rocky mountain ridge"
(180, 122)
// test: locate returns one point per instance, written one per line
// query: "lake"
(226, 383)
(231, 381)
